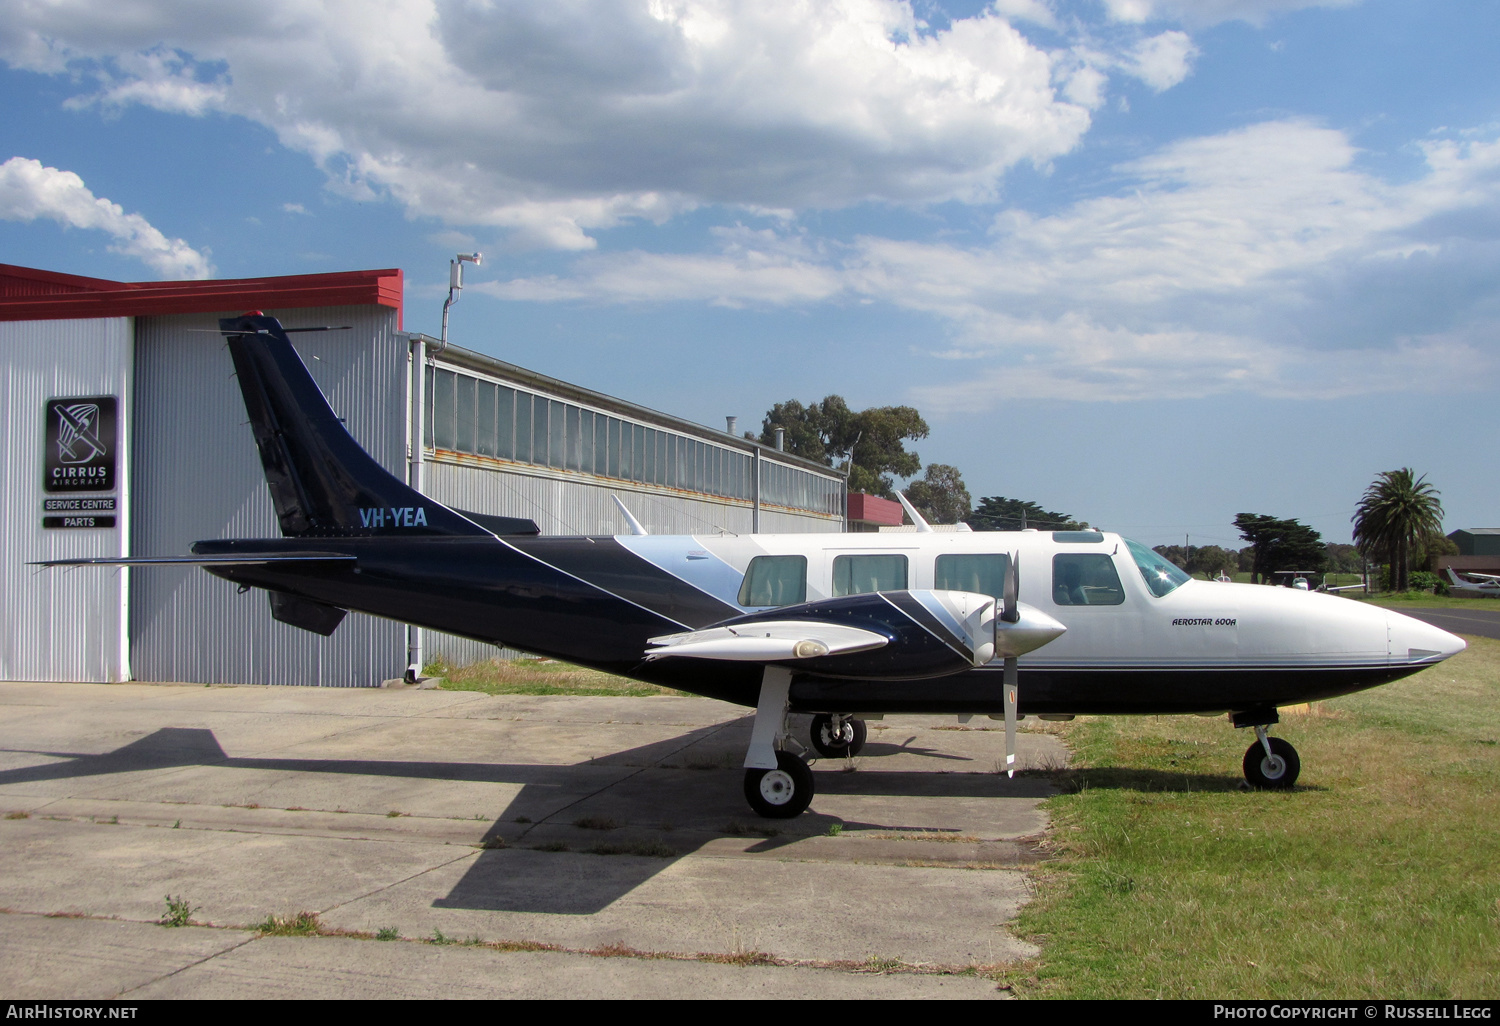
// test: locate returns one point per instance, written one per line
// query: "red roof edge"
(77, 297)
(31, 281)
(872, 509)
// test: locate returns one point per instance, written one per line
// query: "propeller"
(1010, 612)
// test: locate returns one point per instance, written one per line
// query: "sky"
(1150, 263)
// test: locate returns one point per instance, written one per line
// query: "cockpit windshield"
(1161, 575)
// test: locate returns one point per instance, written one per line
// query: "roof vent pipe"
(780, 439)
(732, 425)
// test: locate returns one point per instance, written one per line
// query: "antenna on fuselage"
(923, 527)
(635, 525)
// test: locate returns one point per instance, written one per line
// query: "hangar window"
(466, 413)
(982, 573)
(1085, 579)
(774, 581)
(858, 575)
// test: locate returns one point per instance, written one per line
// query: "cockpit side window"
(982, 573)
(1161, 575)
(774, 581)
(1085, 579)
(857, 575)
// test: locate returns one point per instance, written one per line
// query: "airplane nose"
(1412, 640)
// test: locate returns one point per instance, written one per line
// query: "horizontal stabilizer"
(768, 641)
(236, 559)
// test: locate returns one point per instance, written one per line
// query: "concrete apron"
(598, 826)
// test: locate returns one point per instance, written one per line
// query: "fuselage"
(1141, 638)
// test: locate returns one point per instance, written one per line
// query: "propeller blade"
(1010, 714)
(1009, 611)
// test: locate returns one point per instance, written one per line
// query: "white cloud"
(554, 120)
(1162, 61)
(29, 191)
(1198, 13)
(756, 268)
(1260, 260)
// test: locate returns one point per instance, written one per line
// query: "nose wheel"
(834, 737)
(1271, 762)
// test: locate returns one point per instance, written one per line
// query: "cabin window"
(775, 581)
(1085, 579)
(858, 575)
(1161, 575)
(982, 573)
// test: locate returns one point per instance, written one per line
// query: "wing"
(235, 559)
(889, 635)
(769, 641)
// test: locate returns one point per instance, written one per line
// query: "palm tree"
(1397, 512)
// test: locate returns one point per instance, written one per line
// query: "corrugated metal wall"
(65, 625)
(197, 475)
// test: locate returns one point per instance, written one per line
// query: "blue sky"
(1148, 262)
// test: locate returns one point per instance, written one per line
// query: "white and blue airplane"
(843, 626)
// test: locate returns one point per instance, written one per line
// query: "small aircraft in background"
(1487, 584)
(845, 627)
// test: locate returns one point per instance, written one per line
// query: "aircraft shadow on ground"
(521, 878)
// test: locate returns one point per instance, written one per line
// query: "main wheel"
(783, 792)
(831, 744)
(1278, 771)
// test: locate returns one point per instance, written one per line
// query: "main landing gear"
(1271, 762)
(837, 736)
(778, 784)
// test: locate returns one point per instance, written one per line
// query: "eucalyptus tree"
(1398, 512)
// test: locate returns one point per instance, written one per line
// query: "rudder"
(323, 484)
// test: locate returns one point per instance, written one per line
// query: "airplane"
(846, 627)
(1488, 584)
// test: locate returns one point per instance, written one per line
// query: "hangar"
(126, 436)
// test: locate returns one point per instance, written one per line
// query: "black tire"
(1278, 774)
(830, 747)
(783, 792)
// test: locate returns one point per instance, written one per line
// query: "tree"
(1280, 545)
(940, 496)
(1398, 511)
(1344, 559)
(1212, 560)
(871, 441)
(997, 513)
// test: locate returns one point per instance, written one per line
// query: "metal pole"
(415, 477)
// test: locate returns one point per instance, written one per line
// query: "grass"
(1377, 877)
(302, 924)
(178, 913)
(539, 677)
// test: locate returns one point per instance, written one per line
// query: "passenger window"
(775, 581)
(1085, 579)
(982, 573)
(859, 575)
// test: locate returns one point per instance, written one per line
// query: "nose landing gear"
(1271, 762)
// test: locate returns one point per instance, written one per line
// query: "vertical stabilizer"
(323, 484)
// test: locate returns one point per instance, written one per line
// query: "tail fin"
(322, 483)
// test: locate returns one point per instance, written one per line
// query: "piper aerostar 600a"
(843, 626)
